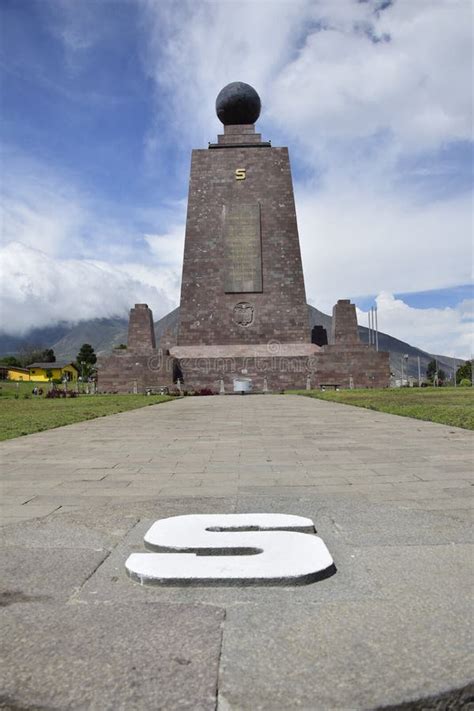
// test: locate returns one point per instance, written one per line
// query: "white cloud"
(38, 208)
(168, 248)
(63, 259)
(195, 48)
(75, 24)
(412, 82)
(445, 331)
(357, 242)
(39, 290)
(323, 68)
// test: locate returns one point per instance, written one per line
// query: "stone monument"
(243, 311)
(243, 303)
(242, 274)
(243, 317)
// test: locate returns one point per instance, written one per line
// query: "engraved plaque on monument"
(242, 248)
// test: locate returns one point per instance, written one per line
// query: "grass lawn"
(448, 406)
(26, 415)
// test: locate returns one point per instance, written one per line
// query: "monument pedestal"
(345, 361)
(139, 367)
(270, 366)
(350, 366)
(288, 366)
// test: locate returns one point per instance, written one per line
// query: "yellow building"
(12, 372)
(44, 372)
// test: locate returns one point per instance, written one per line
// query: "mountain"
(37, 338)
(106, 333)
(102, 333)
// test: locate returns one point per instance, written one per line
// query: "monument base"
(352, 365)
(128, 372)
(271, 367)
(288, 366)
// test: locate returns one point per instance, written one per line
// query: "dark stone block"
(344, 323)
(141, 332)
(319, 336)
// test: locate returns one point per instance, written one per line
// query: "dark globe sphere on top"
(238, 103)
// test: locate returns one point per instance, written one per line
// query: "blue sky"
(103, 100)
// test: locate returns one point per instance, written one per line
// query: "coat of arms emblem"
(243, 313)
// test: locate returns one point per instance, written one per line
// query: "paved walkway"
(388, 495)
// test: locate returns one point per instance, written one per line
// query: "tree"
(431, 370)
(434, 374)
(30, 353)
(11, 361)
(48, 356)
(86, 359)
(86, 355)
(464, 372)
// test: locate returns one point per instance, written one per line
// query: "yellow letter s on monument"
(240, 174)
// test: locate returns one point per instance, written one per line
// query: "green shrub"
(465, 383)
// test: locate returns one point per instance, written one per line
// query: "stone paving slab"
(389, 496)
(96, 530)
(105, 658)
(358, 654)
(52, 573)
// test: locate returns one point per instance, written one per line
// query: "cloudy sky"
(103, 101)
